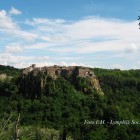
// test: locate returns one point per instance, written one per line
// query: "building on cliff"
(28, 69)
(55, 71)
(60, 70)
(83, 72)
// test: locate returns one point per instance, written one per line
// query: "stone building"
(60, 70)
(70, 70)
(83, 72)
(51, 71)
(36, 70)
(27, 70)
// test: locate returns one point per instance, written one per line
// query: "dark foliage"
(9, 71)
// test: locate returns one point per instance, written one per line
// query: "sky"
(92, 33)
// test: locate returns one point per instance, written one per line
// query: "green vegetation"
(9, 71)
(59, 109)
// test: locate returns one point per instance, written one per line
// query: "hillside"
(9, 71)
(67, 106)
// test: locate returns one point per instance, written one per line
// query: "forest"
(62, 110)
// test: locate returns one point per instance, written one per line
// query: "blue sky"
(94, 33)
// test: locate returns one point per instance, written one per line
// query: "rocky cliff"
(3, 76)
(35, 80)
(95, 83)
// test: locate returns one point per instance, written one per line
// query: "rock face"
(96, 85)
(40, 74)
(3, 76)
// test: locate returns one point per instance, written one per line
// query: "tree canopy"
(60, 110)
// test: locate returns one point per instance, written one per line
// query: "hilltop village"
(55, 71)
(59, 70)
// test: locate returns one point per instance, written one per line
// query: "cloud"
(117, 66)
(45, 40)
(14, 48)
(25, 35)
(137, 65)
(45, 21)
(89, 34)
(14, 11)
(9, 59)
(6, 23)
(66, 58)
(133, 48)
(9, 28)
(38, 46)
(20, 61)
(116, 40)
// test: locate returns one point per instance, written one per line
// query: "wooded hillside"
(64, 109)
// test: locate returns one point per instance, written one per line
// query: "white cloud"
(10, 28)
(66, 58)
(38, 46)
(6, 23)
(22, 61)
(25, 35)
(117, 66)
(9, 59)
(137, 65)
(14, 11)
(43, 58)
(56, 38)
(45, 21)
(89, 34)
(62, 63)
(133, 48)
(75, 39)
(14, 48)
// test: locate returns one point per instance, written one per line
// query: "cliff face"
(95, 83)
(3, 76)
(35, 81)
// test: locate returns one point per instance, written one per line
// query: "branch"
(5, 125)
